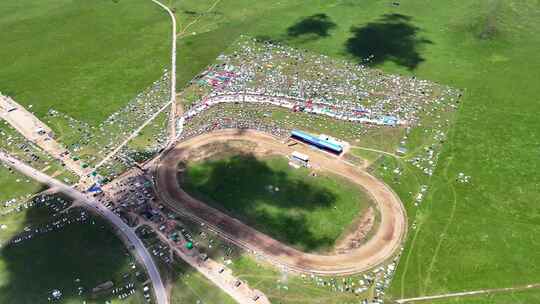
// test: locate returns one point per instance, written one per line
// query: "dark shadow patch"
(49, 260)
(315, 26)
(188, 12)
(267, 39)
(391, 38)
(241, 186)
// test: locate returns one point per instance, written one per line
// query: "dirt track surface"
(380, 247)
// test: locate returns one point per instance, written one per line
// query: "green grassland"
(15, 185)
(191, 286)
(142, 147)
(150, 133)
(83, 58)
(369, 156)
(308, 212)
(515, 297)
(468, 236)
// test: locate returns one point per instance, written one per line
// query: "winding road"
(124, 230)
(385, 242)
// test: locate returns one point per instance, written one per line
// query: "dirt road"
(383, 245)
(468, 293)
(33, 129)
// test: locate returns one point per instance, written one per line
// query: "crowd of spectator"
(318, 84)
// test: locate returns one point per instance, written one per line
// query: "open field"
(144, 146)
(190, 286)
(517, 297)
(487, 48)
(15, 185)
(92, 143)
(85, 59)
(83, 76)
(290, 288)
(307, 212)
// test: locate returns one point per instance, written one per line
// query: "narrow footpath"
(467, 293)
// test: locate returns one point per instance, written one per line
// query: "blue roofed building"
(317, 141)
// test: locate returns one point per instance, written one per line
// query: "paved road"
(129, 234)
(386, 240)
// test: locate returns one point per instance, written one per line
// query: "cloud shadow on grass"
(393, 37)
(311, 27)
(53, 260)
(245, 187)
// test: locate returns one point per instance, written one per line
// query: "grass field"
(487, 48)
(288, 288)
(86, 59)
(191, 286)
(308, 212)
(15, 185)
(515, 297)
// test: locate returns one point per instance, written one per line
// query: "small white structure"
(299, 159)
(300, 156)
(56, 295)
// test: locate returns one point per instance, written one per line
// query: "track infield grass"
(305, 211)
